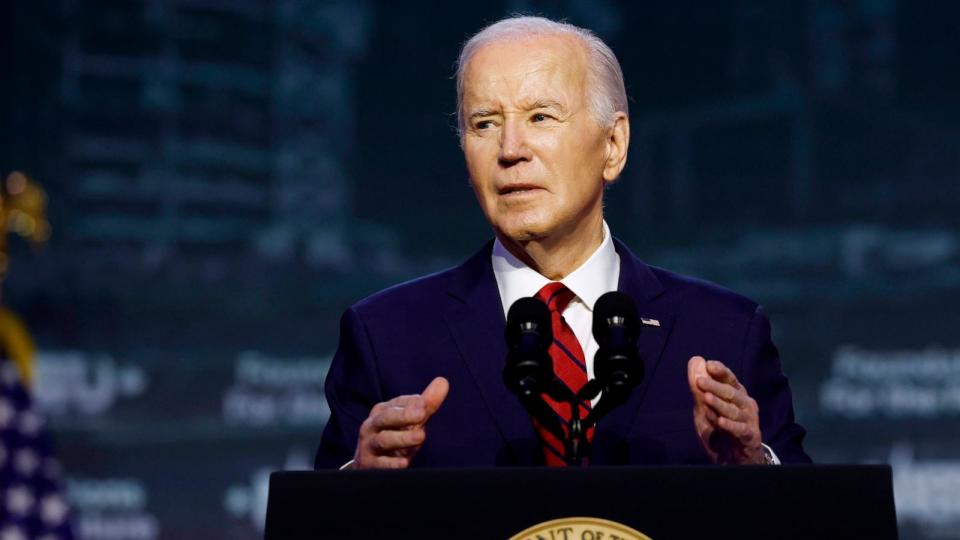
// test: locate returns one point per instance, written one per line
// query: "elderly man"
(416, 380)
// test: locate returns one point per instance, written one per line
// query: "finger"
(399, 401)
(400, 417)
(403, 401)
(388, 441)
(722, 373)
(705, 417)
(723, 407)
(434, 394)
(722, 390)
(742, 431)
(696, 368)
(390, 462)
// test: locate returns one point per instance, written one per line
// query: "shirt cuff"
(348, 464)
(769, 454)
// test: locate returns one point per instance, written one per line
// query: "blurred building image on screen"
(226, 177)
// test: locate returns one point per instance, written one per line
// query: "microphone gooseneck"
(529, 368)
(617, 364)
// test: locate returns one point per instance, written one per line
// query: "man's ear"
(618, 141)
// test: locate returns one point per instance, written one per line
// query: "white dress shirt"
(598, 275)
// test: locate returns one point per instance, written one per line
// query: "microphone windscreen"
(612, 305)
(530, 315)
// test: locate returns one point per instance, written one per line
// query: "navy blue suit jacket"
(452, 324)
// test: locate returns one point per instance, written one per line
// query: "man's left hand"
(727, 420)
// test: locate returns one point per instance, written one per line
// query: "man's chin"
(521, 235)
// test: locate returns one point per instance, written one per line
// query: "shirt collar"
(599, 274)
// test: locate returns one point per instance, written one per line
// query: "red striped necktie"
(569, 366)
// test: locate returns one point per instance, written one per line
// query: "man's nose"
(513, 143)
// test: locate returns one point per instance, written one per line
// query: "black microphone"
(617, 364)
(529, 369)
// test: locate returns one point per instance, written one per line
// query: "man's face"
(535, 153)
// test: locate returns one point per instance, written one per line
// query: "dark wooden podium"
(769, 502)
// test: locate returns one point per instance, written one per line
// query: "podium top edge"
(683, 469)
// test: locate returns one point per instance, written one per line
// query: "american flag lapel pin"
(650, 322)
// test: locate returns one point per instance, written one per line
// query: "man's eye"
(539, 117)
(483, 124)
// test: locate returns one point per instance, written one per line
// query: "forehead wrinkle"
(541, 78)
(532, 93)
(479, 92)
(527, 97)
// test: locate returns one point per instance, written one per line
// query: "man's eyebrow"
(483, 111)
(548, 104)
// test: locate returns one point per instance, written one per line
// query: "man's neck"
(557, 256)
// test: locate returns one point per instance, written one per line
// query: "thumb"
(434, 394)
(696, 368)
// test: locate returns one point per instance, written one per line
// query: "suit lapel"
(639, 282)
(476, 322)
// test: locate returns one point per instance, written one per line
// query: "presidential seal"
(580, 528)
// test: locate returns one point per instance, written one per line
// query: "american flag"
(32, 505)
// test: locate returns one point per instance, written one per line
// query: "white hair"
(606, 93)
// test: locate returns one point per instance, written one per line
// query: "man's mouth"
(516, 188)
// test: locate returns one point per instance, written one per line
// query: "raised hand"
(395, 430)
(726, 418)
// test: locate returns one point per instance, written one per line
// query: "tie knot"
(555, 295)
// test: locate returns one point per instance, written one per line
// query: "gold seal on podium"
(580, 528)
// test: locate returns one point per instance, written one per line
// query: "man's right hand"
(395, 430)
